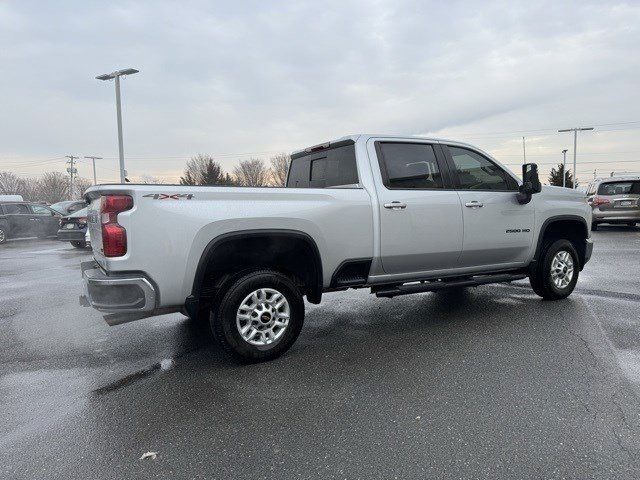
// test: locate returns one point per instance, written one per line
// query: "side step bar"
(429, 286)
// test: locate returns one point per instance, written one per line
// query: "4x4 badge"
(167, 196)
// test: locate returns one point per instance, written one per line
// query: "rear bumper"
(616, 216)
(116, 293)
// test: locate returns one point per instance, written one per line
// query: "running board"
(430, 286)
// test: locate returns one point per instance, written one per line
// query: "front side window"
(476, 172)
(410, 166)
(16, 208)
(40, 210)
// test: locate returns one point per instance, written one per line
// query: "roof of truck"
(366, 136)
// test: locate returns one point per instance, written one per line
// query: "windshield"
(620, 188)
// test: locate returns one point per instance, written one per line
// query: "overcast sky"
(239, 78)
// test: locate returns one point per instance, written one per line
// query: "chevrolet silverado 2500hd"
(397, 215)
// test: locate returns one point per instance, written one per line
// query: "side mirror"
(530, 183)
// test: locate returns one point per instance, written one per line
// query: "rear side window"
(410, 166)
(16, 208)
(619, 188)
(475, 172)
(330, 167)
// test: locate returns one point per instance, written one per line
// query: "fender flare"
(192, 301)
(549, 221)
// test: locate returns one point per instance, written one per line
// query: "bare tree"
(251, 173)
(30, 189)
(150, 179)
(279, 169)
(10, 184)
(53, 187)
(204, 170)
(80, 184)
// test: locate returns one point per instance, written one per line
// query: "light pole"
(116, 76)
(564, 168)
(95, 181)
(575, 131)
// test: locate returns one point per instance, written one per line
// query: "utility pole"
(116, 76)
(564, 168)
(95, 181)
(575, 131)
(72, 170)
(524, 151)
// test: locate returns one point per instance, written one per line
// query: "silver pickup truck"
(397, 215)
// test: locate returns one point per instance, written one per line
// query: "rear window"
(619, 188)
(329, 167)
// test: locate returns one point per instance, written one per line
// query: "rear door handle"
(395, 205)
(474, 204)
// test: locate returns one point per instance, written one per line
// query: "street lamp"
(575, 142)
(564, 168)
(116, 76)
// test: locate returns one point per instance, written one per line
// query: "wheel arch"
(292, 251)
(571, 227)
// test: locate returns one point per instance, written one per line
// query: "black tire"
(3, 235)
(594, 227)
(223, 317)
(632, 224)
(79, 244)
(541, 279)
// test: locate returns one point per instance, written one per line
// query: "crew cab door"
(47, 220)
(497, 229)
(420, 214)
(21, 221)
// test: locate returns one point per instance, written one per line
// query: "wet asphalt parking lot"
(489, 383)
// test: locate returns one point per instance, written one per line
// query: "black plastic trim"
(554, 219)
(192, 301)
(364, 263)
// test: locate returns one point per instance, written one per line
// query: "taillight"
(114, 236)
(597, 201)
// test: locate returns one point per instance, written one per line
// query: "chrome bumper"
(117, 293)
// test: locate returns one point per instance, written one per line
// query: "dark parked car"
(73, 228)
(69, 206)
(24, 219)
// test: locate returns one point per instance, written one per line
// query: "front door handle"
(395, 205)
(474, 204)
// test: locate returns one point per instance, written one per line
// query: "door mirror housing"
(530, 183)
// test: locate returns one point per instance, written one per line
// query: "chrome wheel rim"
(562, 269)
(2, 236)
(263, 316)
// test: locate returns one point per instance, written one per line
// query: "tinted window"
(40, 210)
(410, 165)
(619, 188)
(476, 172)
(327, 168)
(13, 208)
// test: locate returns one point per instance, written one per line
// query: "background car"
(73, 228)
(615, 200)
(25, 219)
(69, 206)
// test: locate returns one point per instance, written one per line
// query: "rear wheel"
(259, 317)
(3, 235)
(79, 244)
(556, 275)
(594, 227)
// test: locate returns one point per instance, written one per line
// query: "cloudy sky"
(240, 79)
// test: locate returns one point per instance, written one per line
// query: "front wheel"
(556, 275)
(259, 317)
(3, 235)
(79, 244)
